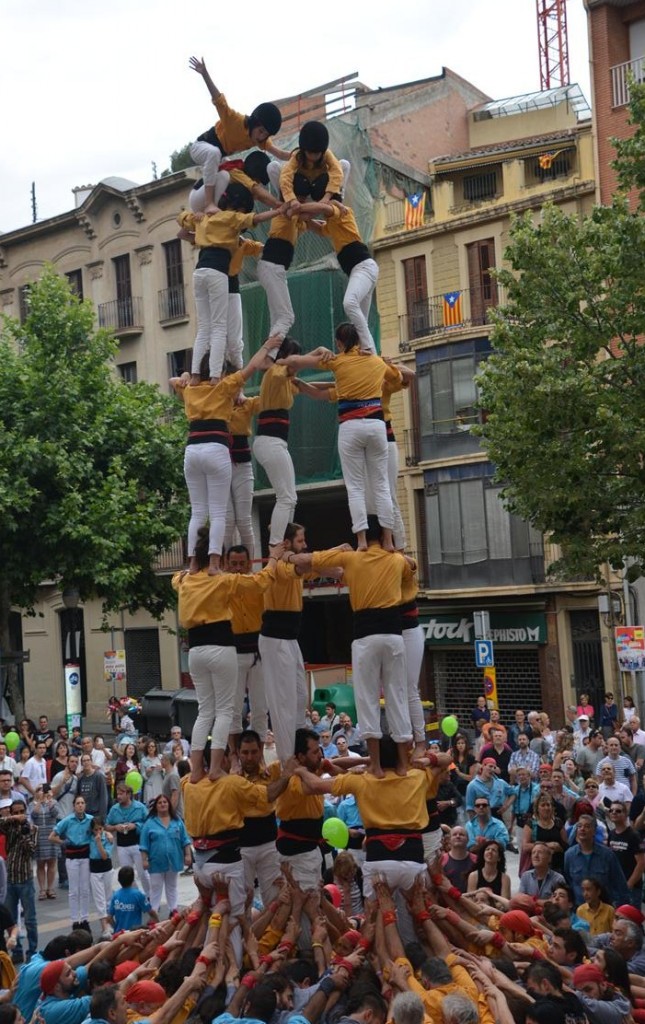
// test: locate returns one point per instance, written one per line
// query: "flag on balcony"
(415, 206)
(452, 312)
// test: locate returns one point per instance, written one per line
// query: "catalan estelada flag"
(415, 206)
(452, 313)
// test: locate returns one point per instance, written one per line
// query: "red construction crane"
(553, 43)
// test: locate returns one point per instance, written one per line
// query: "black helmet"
(314, 137)
(237, 197)
(255, 165)
(267, 115)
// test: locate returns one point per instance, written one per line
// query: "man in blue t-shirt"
(128, 904)
(60, 1004)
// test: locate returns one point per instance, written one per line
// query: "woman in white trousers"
(101, 873)
(75, 831)
(204, 610)
(207, 462)
(362, 439)
(414, 641)
(240, 502)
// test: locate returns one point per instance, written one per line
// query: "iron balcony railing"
(122, 314)
(620, 78)
(172, 303)
(463, 307)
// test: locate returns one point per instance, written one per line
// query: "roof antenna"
(34, 215)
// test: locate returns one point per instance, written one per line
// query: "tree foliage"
(180, 160)
(564, 390)
(91, 486)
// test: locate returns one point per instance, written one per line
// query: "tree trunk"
(11, 688)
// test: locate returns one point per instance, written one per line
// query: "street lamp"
(71, 666)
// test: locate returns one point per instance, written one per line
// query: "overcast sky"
(93, 88)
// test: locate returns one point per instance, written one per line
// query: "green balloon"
(12, 739)
(449, 725)
(135, 781)
(336, 833)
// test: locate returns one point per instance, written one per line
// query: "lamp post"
(71, 666)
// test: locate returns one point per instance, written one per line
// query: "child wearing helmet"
(251, 172)
(233, 133)
(217, 236)
(312, 170)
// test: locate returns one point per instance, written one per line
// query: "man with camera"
(21, 838)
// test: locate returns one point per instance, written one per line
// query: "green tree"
(564, 391)
(91, 486)
(179, 161)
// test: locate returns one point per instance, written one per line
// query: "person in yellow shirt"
(362, 439)
(374, 578)
(260, 831)
(240, 500)
(233, 133)
(217, 237)
(247, 609)
(251, 172)
(207, 463)
(311, 170)
(300, 812)
(205, 611)
(595, 910)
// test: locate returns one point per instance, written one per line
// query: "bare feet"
(376, 771)
(401, 769)
(193, 565)
(361, 540)
(197, 776)
(195, 379)
(420, 750)
(213, 381)
(215, 775)
(211, 208)
(214, 570)
(387, 542)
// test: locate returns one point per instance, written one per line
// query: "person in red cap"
(144, 997)
(59, 1004)
(604, 1003)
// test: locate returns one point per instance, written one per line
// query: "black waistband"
(363, 409)
(208, 432)
(258, 831)
(278, 250)
(351, 255)
(394, 844)
(210, 136)
(100, 866)
(77, 852)
(299, 835)
(389, 430)
(240, 449)
(375, 621)
(281, 625)
(233, 284)
(273, 423)
(434, 822)
(246, 643)
(409, 612)
(216, 634)
(214, 257)
(219, 848)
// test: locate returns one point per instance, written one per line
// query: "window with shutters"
(483, 287)
(416, 297)
(179, 362)
(125, 314)
(477, 187)
(128, 372)
(23, 302)
(172, 301)
(75, 278)
(143, 660)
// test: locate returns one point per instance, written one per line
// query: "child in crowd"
(128, 904)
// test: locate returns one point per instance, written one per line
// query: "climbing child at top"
(233, 133)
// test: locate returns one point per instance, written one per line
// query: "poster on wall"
(114, 672)
(630, 648)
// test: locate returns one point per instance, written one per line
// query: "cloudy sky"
(93, 88)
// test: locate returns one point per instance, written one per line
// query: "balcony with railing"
(620, 80)
(450, 311)
(172, 304)
(123, 316)
(172, 559)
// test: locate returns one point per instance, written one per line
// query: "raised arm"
(261, 360)
(199, 65)
(308, 361)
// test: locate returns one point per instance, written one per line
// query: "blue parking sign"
(484, 657)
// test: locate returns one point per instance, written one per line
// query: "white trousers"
(197, 196)
(211, 306)
(101, 885)
(130, 856)
(234, 875)
(358, 299)
(414, 646)
(399, 874)
(286, 690)
(432, 845)
(273, 455)
(273, 278)
(362, 447)
(234, 329)
(239, 512)
(207, 469)
(261, 862)
(213, 670)
(378, 663)
(392, 478)
(78, 874)
(305, 868)
(249, 677)
(159, 880)
(207, 158)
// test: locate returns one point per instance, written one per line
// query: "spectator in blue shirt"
(484, 826)
(498, 793)
(165, 850)
(329, 749)
(60, 1004)
(587, 859)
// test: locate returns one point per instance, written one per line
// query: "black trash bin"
(184, 711)
(157, 712)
